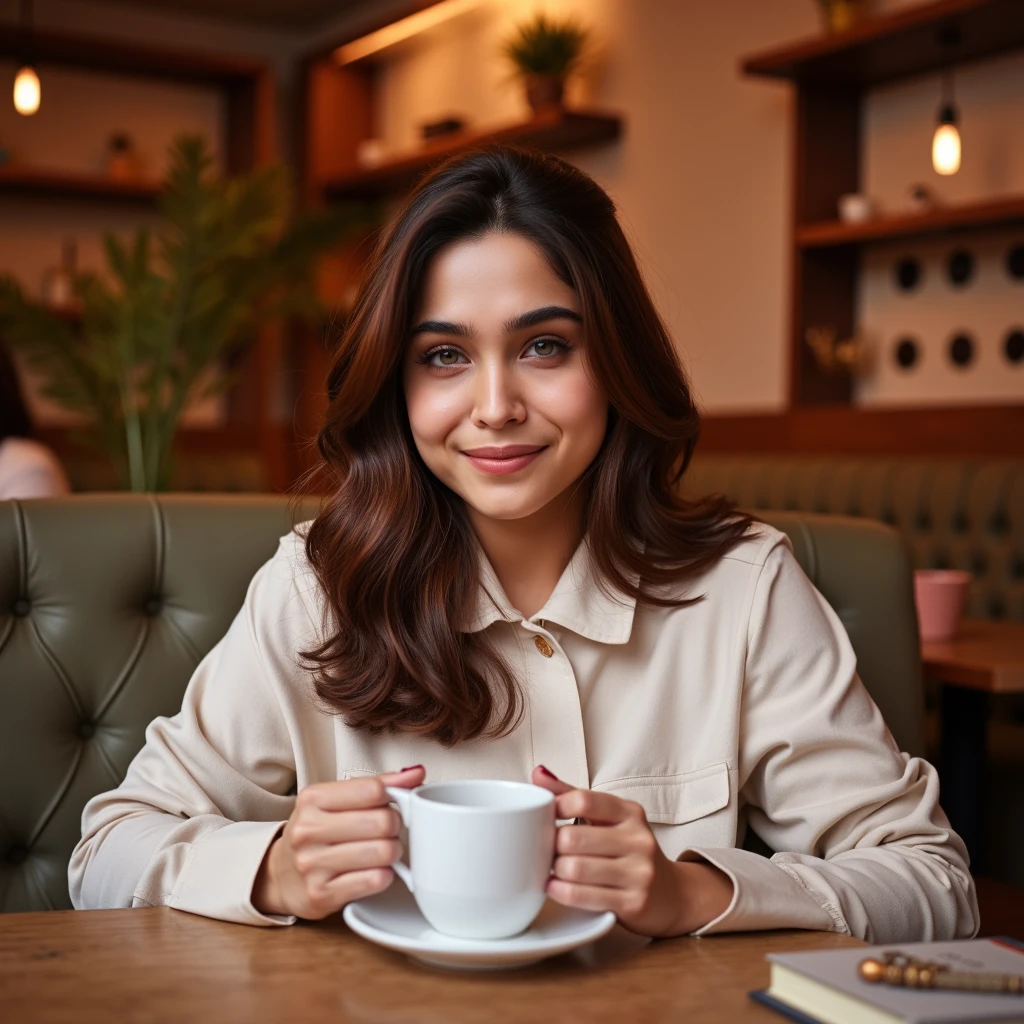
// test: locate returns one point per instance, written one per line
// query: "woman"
(28, 469)
(504, 584)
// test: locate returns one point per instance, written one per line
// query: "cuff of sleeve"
(764, 895)
(220, 871)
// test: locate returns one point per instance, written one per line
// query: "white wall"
(700, 176)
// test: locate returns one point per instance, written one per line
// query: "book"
(825, 988)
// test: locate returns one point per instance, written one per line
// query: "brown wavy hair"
(392, 547)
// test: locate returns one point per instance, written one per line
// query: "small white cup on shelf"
(855, 207)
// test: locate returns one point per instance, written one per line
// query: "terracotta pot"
(121, 166)
(544, 92)
(841, 15)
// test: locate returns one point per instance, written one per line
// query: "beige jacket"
(742, 709)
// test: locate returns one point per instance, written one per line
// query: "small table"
(165, 965)
(984, 658)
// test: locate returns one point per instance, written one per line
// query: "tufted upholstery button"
(86, 730)
(996, 608)
(1017, 567)
(923, 521)
(999, 524)
(889, 517)
(960, 524)
(940, 560)
(17, 855)
(979, 563)
(153, 606)
(21, 607)
(543, 646)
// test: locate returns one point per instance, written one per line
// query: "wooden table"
(984, 658)
(160, 965)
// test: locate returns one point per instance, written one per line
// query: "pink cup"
(940, 595)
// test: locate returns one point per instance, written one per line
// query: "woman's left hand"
(614, 863)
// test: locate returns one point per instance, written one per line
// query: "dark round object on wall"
(905, 353)
(1015, 262)
(960, 267)
(1013, 345)
(908, 274)
(961, 350)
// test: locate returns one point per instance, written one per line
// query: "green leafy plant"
(228, 257)
(544, 46)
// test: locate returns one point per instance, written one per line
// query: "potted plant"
(228, 257)
(544, 53)
(121, 162)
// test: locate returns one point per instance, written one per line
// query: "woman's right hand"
(337, 846)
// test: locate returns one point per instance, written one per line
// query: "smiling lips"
(506, 459)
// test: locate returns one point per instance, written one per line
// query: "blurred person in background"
(28, 469)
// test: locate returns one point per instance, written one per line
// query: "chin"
(495, 506)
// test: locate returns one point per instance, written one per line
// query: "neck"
(530, 554)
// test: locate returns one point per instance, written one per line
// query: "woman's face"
(501, 405)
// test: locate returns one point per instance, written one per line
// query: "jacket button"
(543, 646)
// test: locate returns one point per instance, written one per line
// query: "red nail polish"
(410, 767)
(550, 775)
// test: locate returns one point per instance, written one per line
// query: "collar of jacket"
(578, 602)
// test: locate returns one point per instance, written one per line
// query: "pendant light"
(946, 140)
(26, 81)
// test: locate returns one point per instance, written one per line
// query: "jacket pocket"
(675, 799)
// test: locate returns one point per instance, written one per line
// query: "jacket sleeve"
(213, 785)
(864, 847)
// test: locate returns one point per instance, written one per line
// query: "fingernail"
(550, 775)
(410, 768)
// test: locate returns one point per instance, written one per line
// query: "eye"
(548, 347)
(442, 356)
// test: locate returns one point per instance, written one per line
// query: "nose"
(498, 399)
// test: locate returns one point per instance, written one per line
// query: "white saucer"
(392, 919)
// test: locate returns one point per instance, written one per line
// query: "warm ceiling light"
(946, 140)
(26, 90)
(399, 30)
(946, 143)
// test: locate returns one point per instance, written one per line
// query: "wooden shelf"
(557, 130)
(24, 181)
(831, 234)
(897, 45)
(114, 56)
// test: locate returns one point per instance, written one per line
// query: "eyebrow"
(516, 323)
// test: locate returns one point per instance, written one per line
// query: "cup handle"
(402, 797)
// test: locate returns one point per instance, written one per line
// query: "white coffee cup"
(480, 852)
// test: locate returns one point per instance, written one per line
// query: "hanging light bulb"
(26, 90)
(946, 142)
(26, 81)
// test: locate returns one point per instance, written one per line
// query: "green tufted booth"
(952, 513)
(107, 603)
